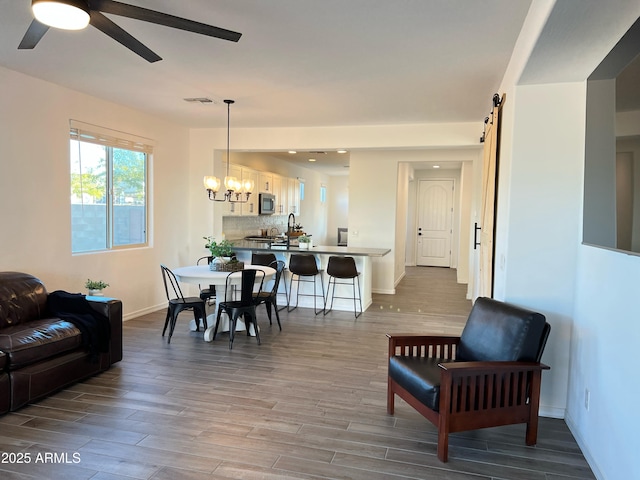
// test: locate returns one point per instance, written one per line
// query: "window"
(108, 189)
(323, 193)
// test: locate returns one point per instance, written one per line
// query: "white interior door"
(435, 214)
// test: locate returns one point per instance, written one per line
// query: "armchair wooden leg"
(443, 442)
(390, 397)
(534, 404)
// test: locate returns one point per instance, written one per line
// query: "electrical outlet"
(587, 398)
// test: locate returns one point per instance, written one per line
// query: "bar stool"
(304, 266)
(343, 268)
(266, 259)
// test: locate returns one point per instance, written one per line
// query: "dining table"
(224, 283)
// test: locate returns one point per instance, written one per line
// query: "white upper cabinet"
(294, 196)
(265, 183)
(282, 195)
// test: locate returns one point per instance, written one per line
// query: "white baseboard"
(384, 291)
(583, 447)
(144, 311)
(551, 412)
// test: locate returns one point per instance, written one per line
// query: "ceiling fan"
(77, 14)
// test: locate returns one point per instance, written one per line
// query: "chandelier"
(235, 189)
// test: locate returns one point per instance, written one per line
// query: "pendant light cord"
(228, 102)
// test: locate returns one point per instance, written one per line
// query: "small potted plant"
(304, 242)
(95, 287)
(222, 249)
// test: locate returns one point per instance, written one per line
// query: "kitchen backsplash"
(242, 226)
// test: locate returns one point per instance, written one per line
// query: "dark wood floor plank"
(309, 403)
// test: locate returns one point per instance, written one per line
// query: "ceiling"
(299, 63)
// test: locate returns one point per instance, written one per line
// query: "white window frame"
(87, 133)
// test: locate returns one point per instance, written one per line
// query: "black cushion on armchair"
(498, 331)
(420, 376)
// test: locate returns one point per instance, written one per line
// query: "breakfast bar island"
(362, 256)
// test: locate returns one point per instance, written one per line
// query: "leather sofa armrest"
(112, 309)
(431, 346)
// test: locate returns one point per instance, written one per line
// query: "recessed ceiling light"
(342, 151)
(292, 152)
(312, 159)
(436, 166)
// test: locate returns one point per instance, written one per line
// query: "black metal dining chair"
(245, 307)
(266, 259)
(207, 294)
(270, 298)
(178, 302)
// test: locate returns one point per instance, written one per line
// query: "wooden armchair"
(487, 377)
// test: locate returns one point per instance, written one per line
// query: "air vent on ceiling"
(199, 100)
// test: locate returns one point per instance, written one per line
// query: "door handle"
(476, 243)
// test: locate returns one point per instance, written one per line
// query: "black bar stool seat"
(341, 269)
(305, 268)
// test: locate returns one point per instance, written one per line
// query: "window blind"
(85, 132)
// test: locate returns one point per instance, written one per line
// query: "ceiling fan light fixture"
(64, 14)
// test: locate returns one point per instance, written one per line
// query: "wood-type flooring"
(309, 403)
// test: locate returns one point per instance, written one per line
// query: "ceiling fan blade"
(34, 33)
(146, 15)
(105, 25)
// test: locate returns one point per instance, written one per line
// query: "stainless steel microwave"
(267, 202)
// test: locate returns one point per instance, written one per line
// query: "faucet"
(291, 223)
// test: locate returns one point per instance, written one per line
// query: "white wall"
(604, 361)
(35, 190)
(544, 220)
(338, 200)
(588, 294)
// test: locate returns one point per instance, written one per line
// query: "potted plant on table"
(304, 242)
(222, 249)
(222, 255)
(95, 287)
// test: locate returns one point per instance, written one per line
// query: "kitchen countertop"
(255, 246)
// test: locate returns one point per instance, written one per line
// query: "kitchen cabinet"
(251, 207)
(228, 208)
(293, 191)
(265, 183)
(282, 196)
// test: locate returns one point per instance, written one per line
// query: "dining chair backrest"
(171, 284)
(249, 279)
(265, 259)
(278, 266)
(204, 260)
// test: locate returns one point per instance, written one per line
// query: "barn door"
(489, 195)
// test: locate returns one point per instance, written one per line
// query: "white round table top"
(203, 274)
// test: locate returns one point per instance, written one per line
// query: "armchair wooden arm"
(432, 346)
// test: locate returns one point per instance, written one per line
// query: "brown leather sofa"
(40, 352)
